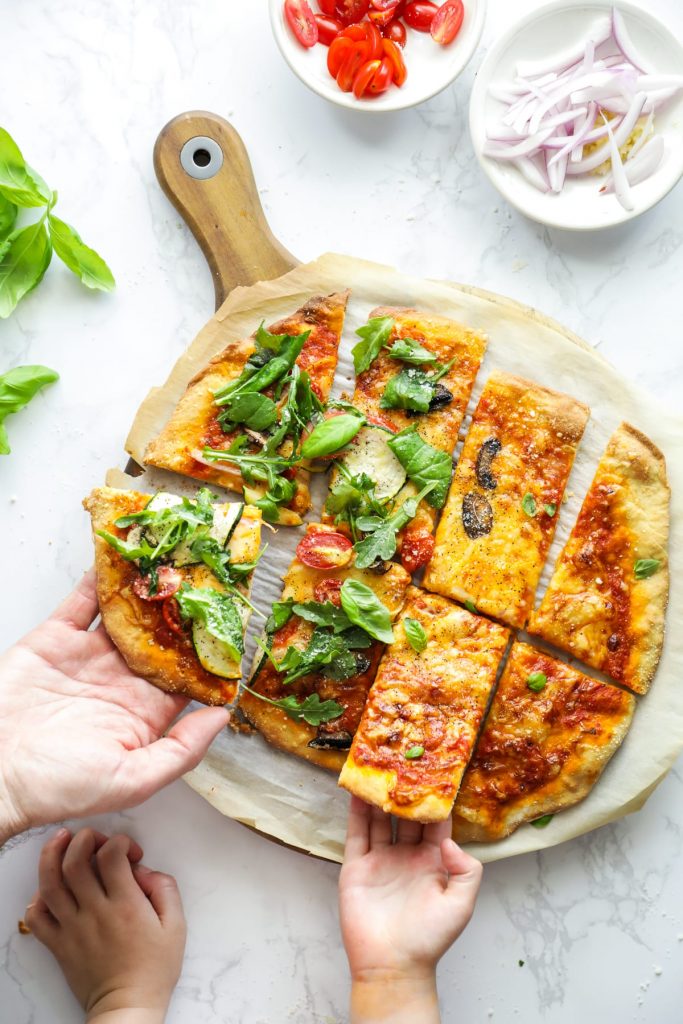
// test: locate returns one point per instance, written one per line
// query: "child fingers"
(409, 832)
(52, 887)
(358, 830)
(77, 867)
(162, 892)
(115, 858)
(380, 828)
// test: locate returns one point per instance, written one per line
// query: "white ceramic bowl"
(430, 67)
(554, 28)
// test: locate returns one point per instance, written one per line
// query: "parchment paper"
(300, 804)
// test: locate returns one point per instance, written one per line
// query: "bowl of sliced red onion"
(576, 114)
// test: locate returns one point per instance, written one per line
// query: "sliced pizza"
(173, 579)
(323, 644)
(241, 419)
(547, 738)
(424, 709)
(606, 601)
(493, 537)
(415, 372)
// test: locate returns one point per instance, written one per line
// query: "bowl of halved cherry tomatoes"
(377, 54)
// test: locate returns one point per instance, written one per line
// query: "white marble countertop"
(88, 84)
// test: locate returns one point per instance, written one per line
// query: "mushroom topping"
(441, 396)
(332, 741)
(487, 454)
(477, 515)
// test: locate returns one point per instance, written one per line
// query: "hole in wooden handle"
(201, 157)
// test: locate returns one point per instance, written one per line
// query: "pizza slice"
(241, 418)
(323, 643)
(173, 578)
(493, 537)
(414, 375)
(606, 601)
(424, 710)
(547, 738)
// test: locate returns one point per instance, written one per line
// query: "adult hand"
(79, 734)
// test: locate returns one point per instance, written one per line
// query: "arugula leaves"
(381, 544)
(323, 614)
(265, 366)
(415, 390)
(423, 463)
(374, 336)
(331, 435)
(410, 351)
(330, 654)
(26, 253)
(365, 609)
(17, 388)
(311, 710)
(217, 612)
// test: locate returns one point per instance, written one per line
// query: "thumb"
(148, 769)
(465, 874)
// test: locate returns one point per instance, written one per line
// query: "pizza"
(415, 373)
(173, 578)
(606, 601)
(423, 713)
(547, 738)
(250, 405)
(323, 645)
(499, 520)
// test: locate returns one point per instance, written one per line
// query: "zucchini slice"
(213, 654)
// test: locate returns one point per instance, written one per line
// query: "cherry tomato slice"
(385, 5)
(357, 56)
(302, 22)
(328, 28)
(416, 550)
(418, 14)
(382, 78)
(170, 610)
(447, 22)
(392, 52)
(355, 32)
(350, 11)
(374, 38)
(328, 7)
(381, 18)
(169, 584)
(324, 550)
(337, 53)
(396, 32)
(366, 73)
(328, 590)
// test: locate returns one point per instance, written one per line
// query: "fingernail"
(61, 833)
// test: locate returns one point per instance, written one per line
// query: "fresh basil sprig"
(26, 252)
(374, 336)
(423, 463)
(17, 388)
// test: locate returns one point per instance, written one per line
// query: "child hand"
(116, 928)
(402, 905)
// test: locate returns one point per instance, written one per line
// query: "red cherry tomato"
(302, 22)
(356, 32)
(381, 18)
(357, 56)
(382, 78)
(169, 584)
(361, 83)
(328, 28)
(418, 14)
(328, 7)
(170, 610)
(396, 32)
(392, 52)
(350, 11)
(338, 51)
(324, 550)
(374, 38)
(328, 590)
(447, 22)
(416, 550)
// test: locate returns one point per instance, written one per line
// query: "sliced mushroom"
(487, 454)
(363, 663)
(332, 741)
(477, 515)
(442, 396)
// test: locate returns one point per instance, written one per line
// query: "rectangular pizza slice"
(324, 641)
(493, 537)
(606, 601)
(173, 580)
(547, 738)
(424, 709)
(414, 376)
(241, 419)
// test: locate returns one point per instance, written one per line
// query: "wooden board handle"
(202, 166)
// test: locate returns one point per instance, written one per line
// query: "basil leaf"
(541, 822)
(537, 681)
(24, 257)
(415, 634)
(374, 335)
(16, 181)
(529, 505)
(645, 567)
(311, 710)
(409, 389)
(256, 411)
(414, 753)
(17, 388)
(471, 607)
(329, 436)
(410, 351)
(217, 612)
(81, 260)
(365, 609)
(8, 215)
(323, 613)
(550, 510)
(423, 463)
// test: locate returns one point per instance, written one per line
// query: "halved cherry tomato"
(357, 56)
(361, 83)
(350, 11)
(385, 5)
(393, 53)
(447, 22)
(327, 7)
(169, 584)
(374, 38)
(302, 22)
(328, 28)
(324, 550)
(382, 78)
(418, 14)
(328, 590)
(357, 32)
(337, 53)
(396, 31)
(170, 610)
(416, 550)
(381, 18)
